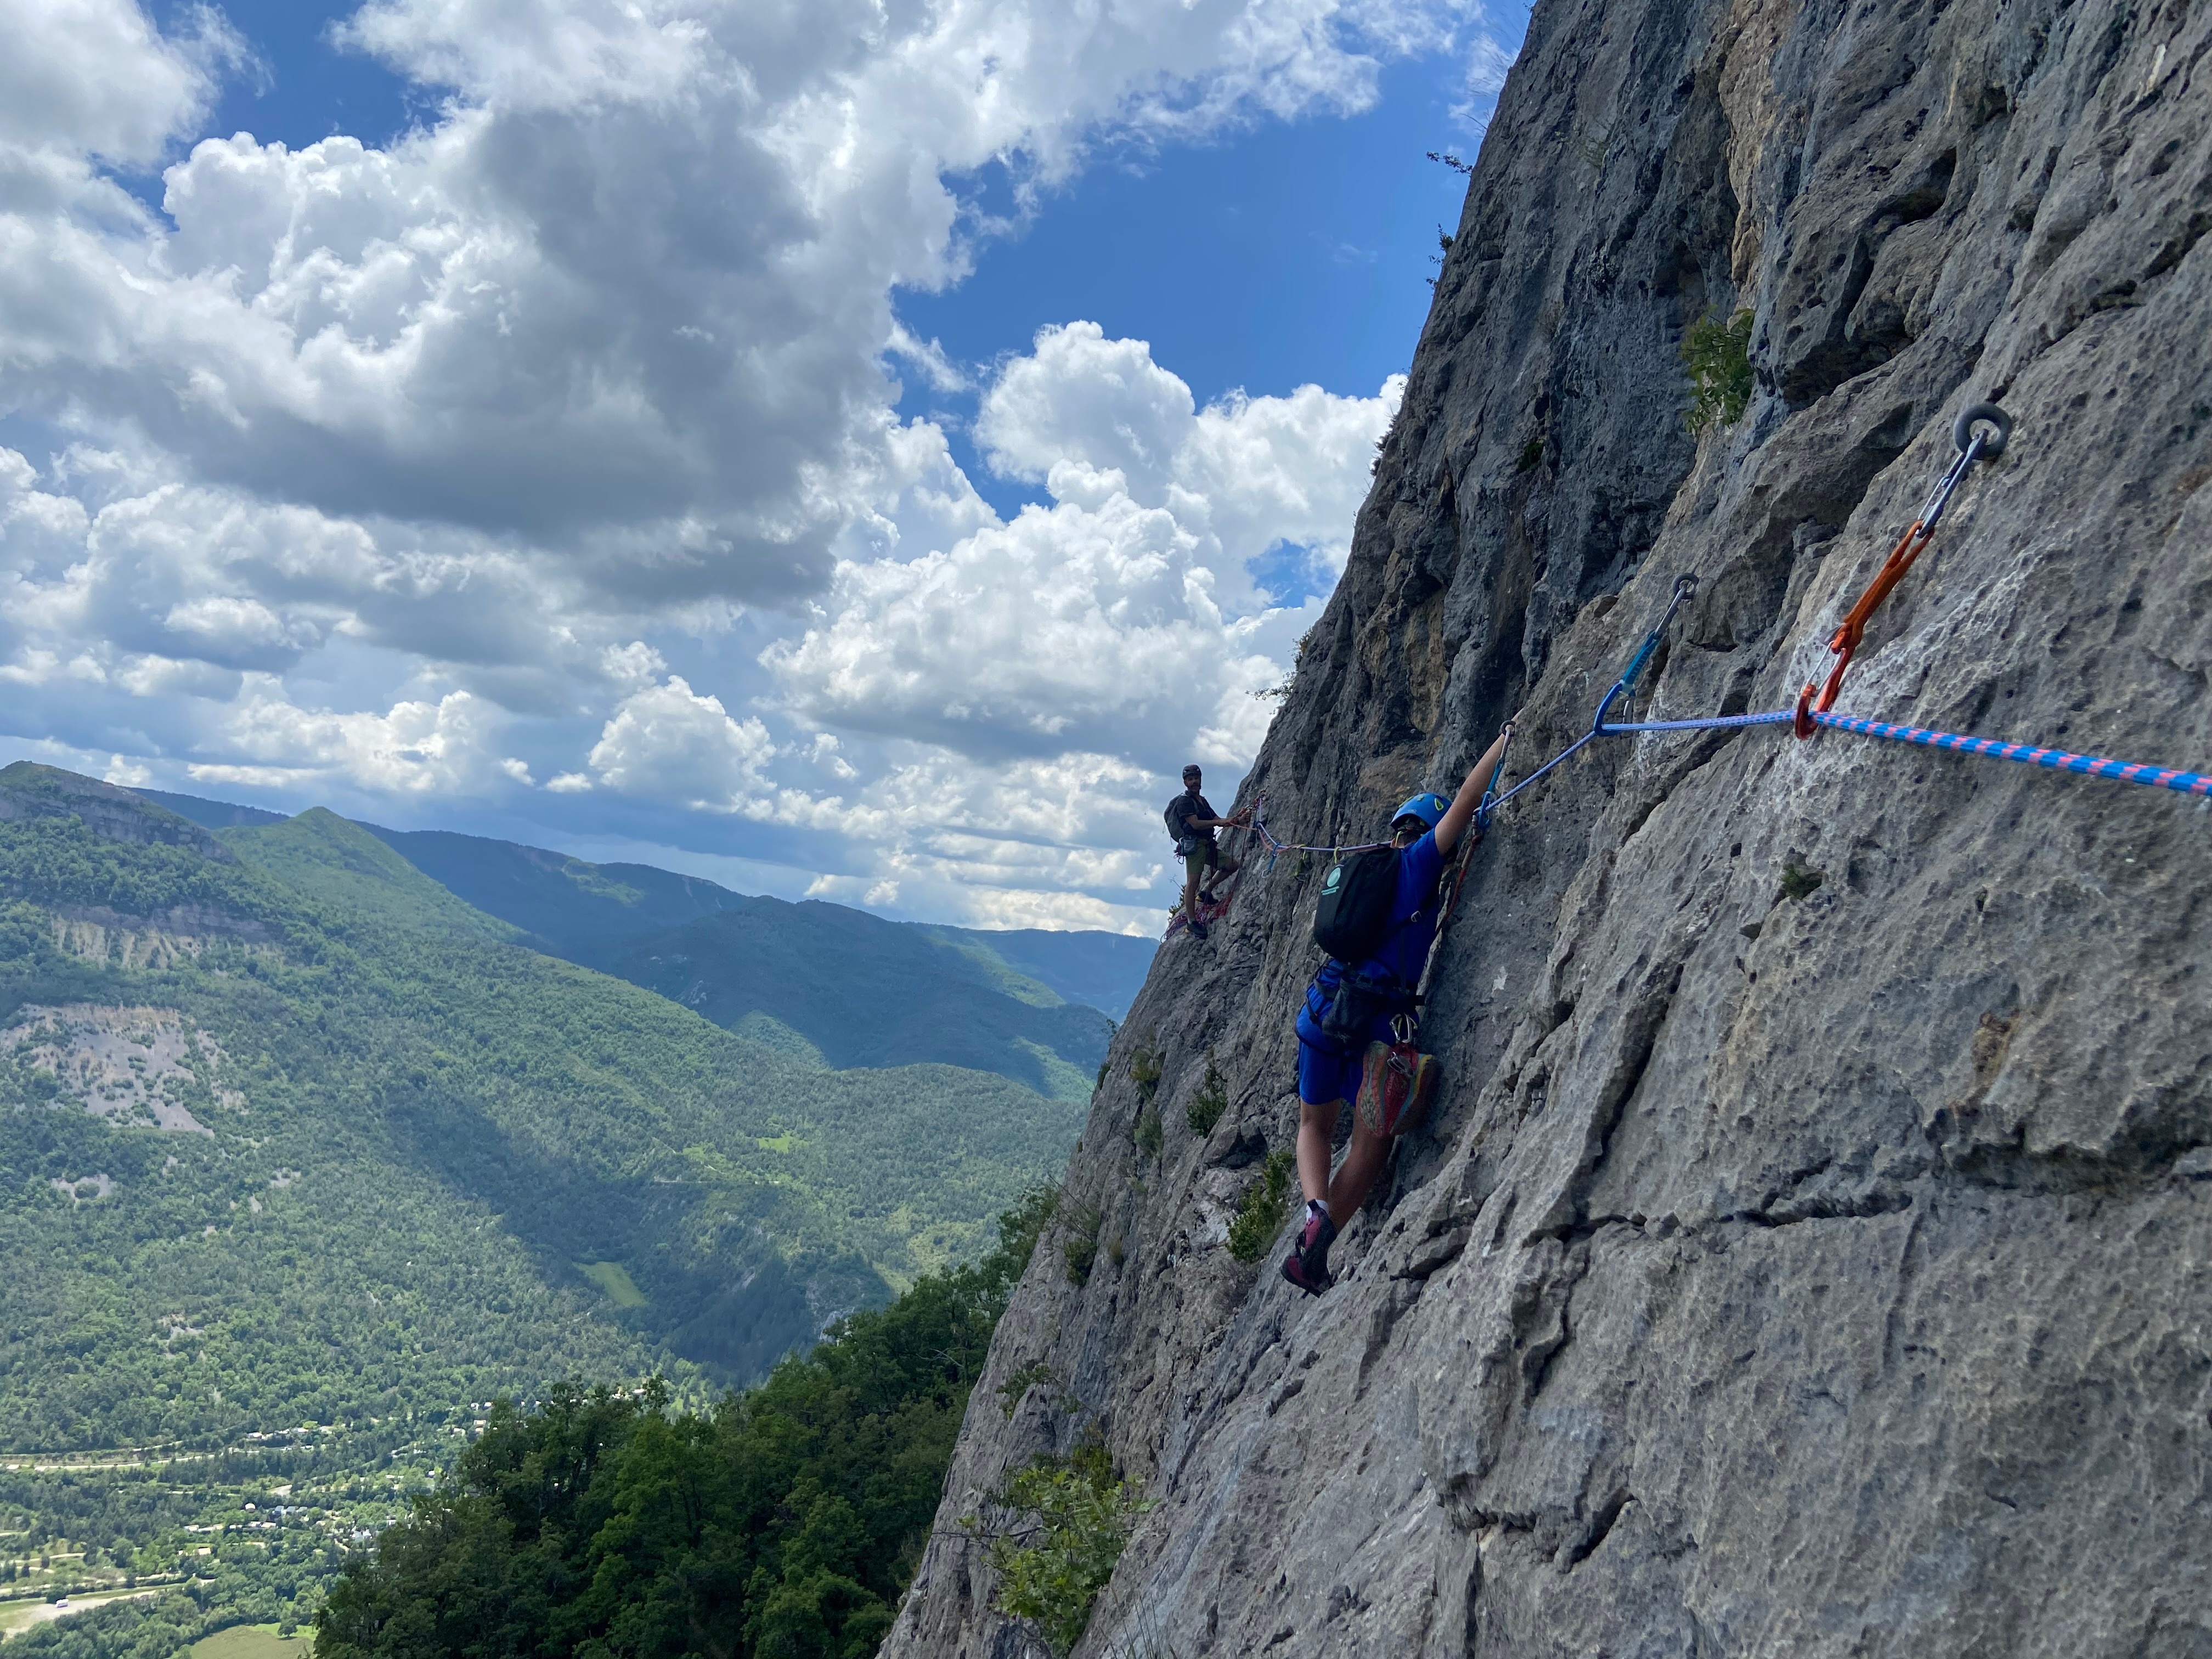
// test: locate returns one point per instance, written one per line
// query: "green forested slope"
(345, 869)
(786, 1522)
(408, 1141)
(596, 913)
(783, 1521)
(867, 992)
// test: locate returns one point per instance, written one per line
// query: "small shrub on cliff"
(1260, 1212)
(1719, 358)
(1144, 1071)
(1079, 1249)
(1062, 1523)
(1150, 1136)
(1801, 880)
(1208, 1105)
(1016, 1388)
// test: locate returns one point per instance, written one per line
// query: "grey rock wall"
(1813, 1276)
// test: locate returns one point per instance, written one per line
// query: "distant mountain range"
(821, 981)
(298, 1133)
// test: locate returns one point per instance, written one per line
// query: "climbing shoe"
(1307, 1265)
(1197, 928)
(1294, 1269)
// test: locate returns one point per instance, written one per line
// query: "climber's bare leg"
(1190, 892)
(1316, 1124)
(1362, 1164)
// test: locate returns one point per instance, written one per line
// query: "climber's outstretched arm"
(1460, 813)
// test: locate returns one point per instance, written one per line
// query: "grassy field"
(252, 1642)
(16, 1617)
(615, 1280)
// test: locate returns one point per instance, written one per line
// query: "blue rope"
(1780, 717)
(2060, 760)
(2094, 766)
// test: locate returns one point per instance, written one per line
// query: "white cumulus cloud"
(1106, 622)
(668, 742)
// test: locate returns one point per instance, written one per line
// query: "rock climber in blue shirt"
(1426, 831)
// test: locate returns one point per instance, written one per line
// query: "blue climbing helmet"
(1430, 809)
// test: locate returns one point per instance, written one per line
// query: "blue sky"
(923, 653)
(1280, 254)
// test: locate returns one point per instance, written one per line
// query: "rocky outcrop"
(1816, 1269)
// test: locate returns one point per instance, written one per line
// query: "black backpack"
(1187, 841)
(1352, 920)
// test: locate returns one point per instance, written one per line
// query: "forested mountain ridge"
(408, 1164)
(818, 980)
(572, 906)
(866, 992)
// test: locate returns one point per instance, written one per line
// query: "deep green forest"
(783, 1521)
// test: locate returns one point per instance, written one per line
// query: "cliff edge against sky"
(1782, 1271)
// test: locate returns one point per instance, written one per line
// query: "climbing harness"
(1980, 433)
(1972, 444)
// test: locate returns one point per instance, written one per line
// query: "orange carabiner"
(1980, 433)
(1845, 642)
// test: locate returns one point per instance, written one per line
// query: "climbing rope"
(1972, 443)
(1275, 847)
(2059, 759)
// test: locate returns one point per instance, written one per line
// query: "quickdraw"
(1973, 442)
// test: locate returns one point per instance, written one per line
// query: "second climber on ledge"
(1191, 821)
(1350, 1005)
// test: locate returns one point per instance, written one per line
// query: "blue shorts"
(1325, 1076)
(1325, 1073)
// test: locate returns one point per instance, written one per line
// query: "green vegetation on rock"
(1261, 1211)
(1055, 1530)
(1208, 1102)
(1718, 356)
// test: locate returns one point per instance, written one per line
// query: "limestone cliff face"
(1808, 1276)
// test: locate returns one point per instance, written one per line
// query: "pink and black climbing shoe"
(1307, 1265)
(1294, 1269)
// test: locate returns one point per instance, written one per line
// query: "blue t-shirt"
(1404, 949)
